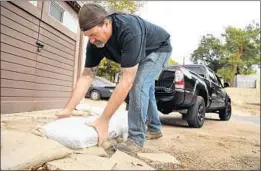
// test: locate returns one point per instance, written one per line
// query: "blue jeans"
(142, 103)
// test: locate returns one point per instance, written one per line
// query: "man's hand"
(81, 87)
(118, 96)
(102, 126)
(63, 114)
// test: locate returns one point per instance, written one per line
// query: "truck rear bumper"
(171, 100)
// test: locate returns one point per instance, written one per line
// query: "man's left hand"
(101, 125)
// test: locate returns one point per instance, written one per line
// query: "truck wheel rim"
(200, 113)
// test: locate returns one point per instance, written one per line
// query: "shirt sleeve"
(93, 56)
(133, 50)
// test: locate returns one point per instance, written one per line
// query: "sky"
(188, 21)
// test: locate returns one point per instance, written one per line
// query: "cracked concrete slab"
(81, 162)
(124, 161)
(22, 151)
(93, 151)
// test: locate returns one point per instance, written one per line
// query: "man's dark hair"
(102, 22)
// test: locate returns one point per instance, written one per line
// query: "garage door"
(37, 58)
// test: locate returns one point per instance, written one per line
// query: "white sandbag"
(22, 151)
(74, 132)
(92, 109)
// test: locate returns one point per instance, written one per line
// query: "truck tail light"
(179, 79)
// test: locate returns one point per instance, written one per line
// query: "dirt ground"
(233, 145)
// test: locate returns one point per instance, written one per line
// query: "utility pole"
(183, 60)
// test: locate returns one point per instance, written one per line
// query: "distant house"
(248, 81)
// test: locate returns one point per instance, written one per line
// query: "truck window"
(167, 75)
(197, 70)
(213, 77)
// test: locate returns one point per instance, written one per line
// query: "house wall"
(35, 78)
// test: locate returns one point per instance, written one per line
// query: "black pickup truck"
(192, 90)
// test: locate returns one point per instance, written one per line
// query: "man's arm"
(81, 87)
(120, 92)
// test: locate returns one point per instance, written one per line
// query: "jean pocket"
(154, 57)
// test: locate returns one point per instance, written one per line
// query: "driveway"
(233, 145)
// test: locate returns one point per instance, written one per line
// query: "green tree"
(120, 6)
(209, 52)
(126, 6)
(171, 62)
(234, 53)
(108, 69)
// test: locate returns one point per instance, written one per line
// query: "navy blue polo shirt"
(132, 40)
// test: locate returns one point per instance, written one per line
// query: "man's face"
(98, 35)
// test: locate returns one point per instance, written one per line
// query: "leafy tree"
(108, 69)
(236, 52)
(120, 6)
(125, 6)
(171, 62)
(209, 52)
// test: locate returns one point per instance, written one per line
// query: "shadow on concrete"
(212, 119)
(174, 121)
(177, 121)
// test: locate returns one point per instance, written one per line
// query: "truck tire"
(196, 114)
(225, 114)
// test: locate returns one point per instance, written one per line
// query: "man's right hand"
(78, 93)
(63, 114)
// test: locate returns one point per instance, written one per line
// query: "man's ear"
(106, 21)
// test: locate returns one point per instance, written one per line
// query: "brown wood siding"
(54, 37)
(52, 87)
(58, 70)
(16, 26)
(52, 81)
(56, 32)
(19, 19)
(16, 59)
(55, 104)
(16, 98)
(17, 84)
(56, 57)
(56, 45)
(32, 80)
(20, 12)
(49, 74)
(12, 75)
(26, 6)
(54, 69)
(58, 52)
(16, 67)
(17, 35)
(16, 92)
(16, 106)
(52, 94)
(17, 43)
(18, 52)
(55, 63)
